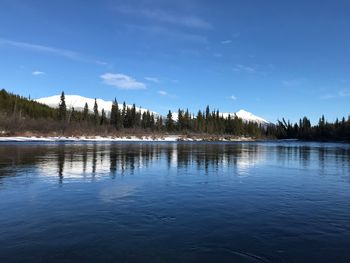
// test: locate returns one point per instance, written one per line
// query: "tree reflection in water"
(96, 160)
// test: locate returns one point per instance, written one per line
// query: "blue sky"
(273, 58)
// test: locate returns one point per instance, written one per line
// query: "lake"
(175, 202)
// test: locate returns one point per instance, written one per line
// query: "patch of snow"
(169, 138)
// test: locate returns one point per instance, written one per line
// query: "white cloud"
(152, 79)
(225, 42)
(243, 68)
(232, 97)
(163, 93)
(38, 73)
(122, 81)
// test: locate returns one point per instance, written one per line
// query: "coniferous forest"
(23, 116)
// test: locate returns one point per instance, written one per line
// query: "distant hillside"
(78, 102)
(68, 114)
(15, 105)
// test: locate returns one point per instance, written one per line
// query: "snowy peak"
(78, 102)
(248, 116)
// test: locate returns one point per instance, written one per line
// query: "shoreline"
(147, 138)
(132, 138)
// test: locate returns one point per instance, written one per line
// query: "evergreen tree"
(133, 116)
(86, 112)
(124, 119)
(180, 120)
(62, 108)
(103, 119)
(187, 120)
(114, 114)
(169, 122)
(207, 113)
(144, 120)
(159, 123)
(72, 115)
(96, 115)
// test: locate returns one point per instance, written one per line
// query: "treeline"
(213, 122)
(323, 131)
(19, 115)
(209, 122)
(15, 105)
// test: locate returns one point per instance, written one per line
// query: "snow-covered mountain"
(247, 116)
(242, 114)
(78, 102)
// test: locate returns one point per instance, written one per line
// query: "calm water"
(164, 202)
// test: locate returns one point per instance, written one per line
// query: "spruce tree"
(96, 116)
(103, 117)
(133, 117)
(169, 122)
(118, 118)
(86, 112)
(62, 108)
(114, 112)
(123, 115)
(180, 120)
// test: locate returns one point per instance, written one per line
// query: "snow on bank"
(169, 138)
(90, 139)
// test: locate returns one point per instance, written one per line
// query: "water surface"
(175, 202)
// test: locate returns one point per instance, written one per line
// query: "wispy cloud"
(344, 93)
(40, 48)
(232, 97)
(173, 34)
(102, 63)
(229, 40)
(245, 69)
(225, 42)
(152, 79)
(38, 73)
(159, 15)
(293, 82)
(50, 50)
(122, 81)
(166, 94)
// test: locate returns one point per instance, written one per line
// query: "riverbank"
(132, 138)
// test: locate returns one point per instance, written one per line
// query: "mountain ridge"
(78, 102)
